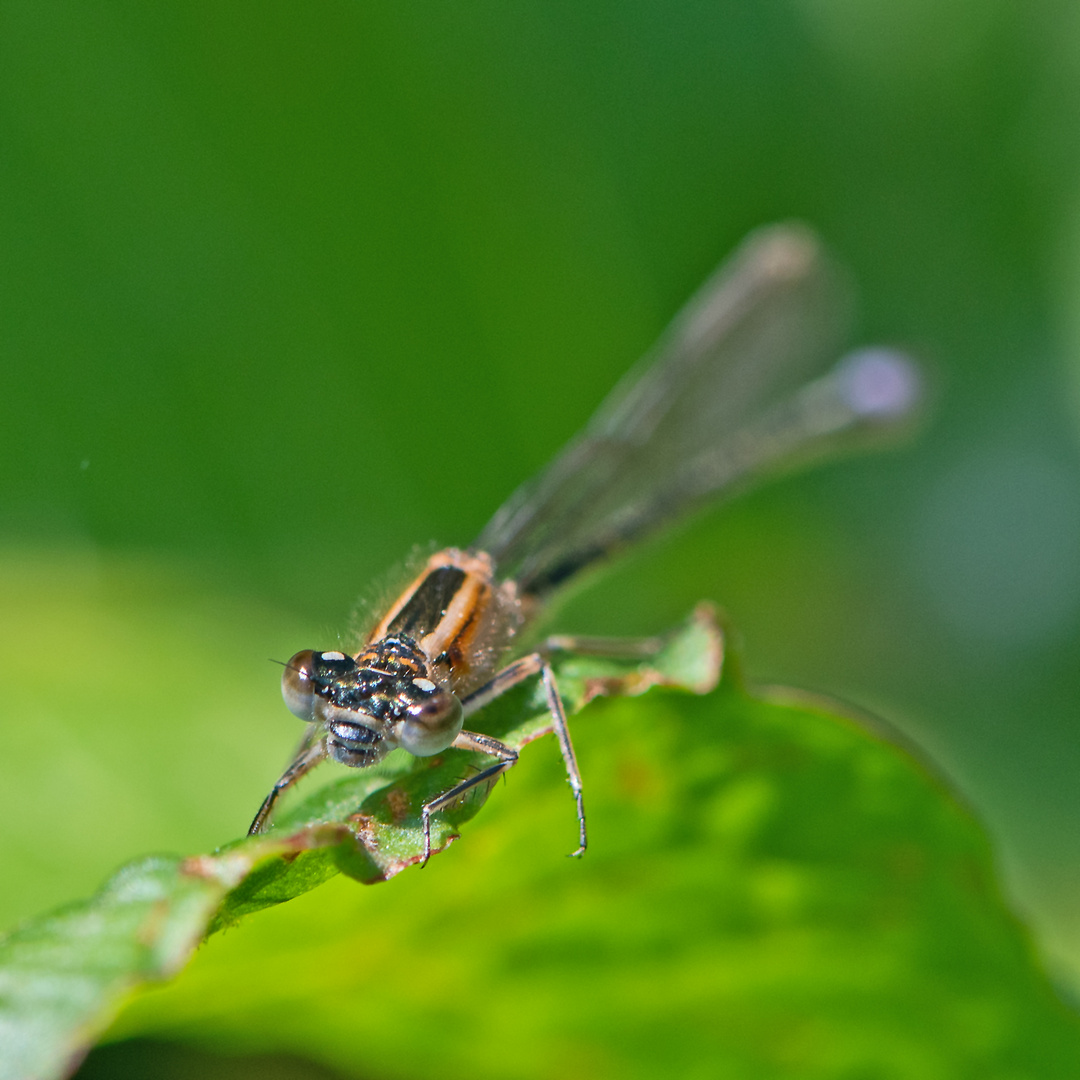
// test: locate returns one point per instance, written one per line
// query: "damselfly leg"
(526, 668)
(484, 744)
(307, 758)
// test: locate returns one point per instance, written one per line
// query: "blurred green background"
(286, 289)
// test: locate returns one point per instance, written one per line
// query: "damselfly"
(726, 394)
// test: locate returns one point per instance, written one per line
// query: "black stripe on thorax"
(428, 603)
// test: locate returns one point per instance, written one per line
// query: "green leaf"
(770, 891)
(62, 977)
(59, 975)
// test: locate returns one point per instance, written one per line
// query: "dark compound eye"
(296, 684)
(433, 722)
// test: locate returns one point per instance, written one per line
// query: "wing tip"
(881, 384)
(784, 251)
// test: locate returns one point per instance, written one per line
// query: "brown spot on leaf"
(200, 866)
(364, 829)
(637, 780)
(631, 685)
(399, 805)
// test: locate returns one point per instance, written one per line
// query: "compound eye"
(296, 685)
(432, 724)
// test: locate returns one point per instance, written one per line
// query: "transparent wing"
(726, 392)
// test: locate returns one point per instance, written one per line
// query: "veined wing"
(727, 391)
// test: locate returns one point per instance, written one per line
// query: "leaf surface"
(63, 976)
(771, 891)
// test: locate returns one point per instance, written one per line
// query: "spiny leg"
(520, 670)
(562, 733)
(468, 740)
(580, 645)
(505, 680)
(510, 676)
(308, 757)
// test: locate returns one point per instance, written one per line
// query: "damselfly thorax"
(727, 394)
(458, 616)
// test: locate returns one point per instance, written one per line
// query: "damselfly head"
(373, 702)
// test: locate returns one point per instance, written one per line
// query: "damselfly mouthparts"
(726, 394)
